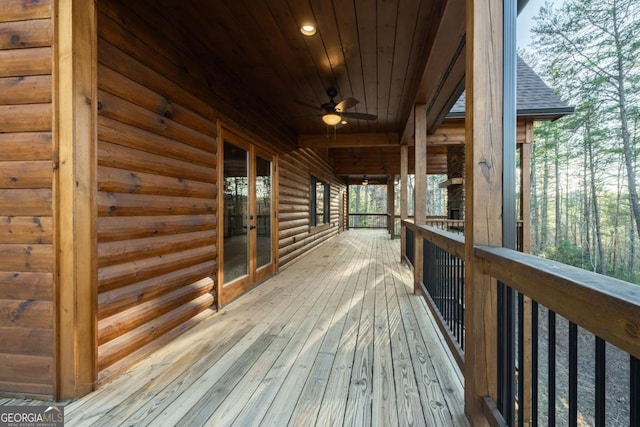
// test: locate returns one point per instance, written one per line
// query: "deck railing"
(452, 225)
(443, 285)
(367, 220)
(568, 340)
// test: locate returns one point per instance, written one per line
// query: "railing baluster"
(506, 353)
(634, 394)
(534, 364)
(573, 374)
(458, 302)
(449, 291)
(462, 300)
(440, 285)
(431, 273)
(521, 367)
(551, 388)
(443, 281)
(600, 379)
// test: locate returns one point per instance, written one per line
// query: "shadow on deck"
(337, 338)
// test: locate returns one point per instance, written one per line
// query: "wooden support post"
(420, 200)
(404, 197)
(391, 205)
(75, 113)
(525, 216)
(525, 190)
(483, 201)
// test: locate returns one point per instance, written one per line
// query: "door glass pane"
(263, 211)
(236, 207)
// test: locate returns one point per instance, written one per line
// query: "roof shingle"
(534, 98)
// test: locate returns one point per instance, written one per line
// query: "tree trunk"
(556, 172)
(586, 202)
(545, 199)
(616, 221)
(624, 124)
(632, 252)
(535, 213)
(594, 201)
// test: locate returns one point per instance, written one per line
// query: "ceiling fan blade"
(346, 103)
(360, 116)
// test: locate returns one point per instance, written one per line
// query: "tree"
(597, 43)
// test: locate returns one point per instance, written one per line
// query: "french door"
(246, 213)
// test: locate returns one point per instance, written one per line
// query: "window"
(319, 202)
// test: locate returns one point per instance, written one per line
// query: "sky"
(526, 22)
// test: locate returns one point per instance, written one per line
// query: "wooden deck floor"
(336, 338)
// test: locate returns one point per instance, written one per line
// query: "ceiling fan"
(335, 114)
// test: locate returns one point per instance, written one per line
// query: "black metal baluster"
(573, 375)
(462, 305)
(634, 393)
(443, 284)
(427, 272)
(551, 404)
(534, 364)
(521, 368)
(501, 358)
(450, 318)
(434, 265)
(443, 297)
(601, 404)
(445, 268)
(436, 279)
(458, 305)
(506, 353)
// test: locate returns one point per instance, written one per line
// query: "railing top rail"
(607, 307)
(450, 242)
(368, 214)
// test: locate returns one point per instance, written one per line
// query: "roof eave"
(546, 114)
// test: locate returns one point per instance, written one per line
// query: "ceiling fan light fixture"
(365, 181)
(331, 119)
(308, 30)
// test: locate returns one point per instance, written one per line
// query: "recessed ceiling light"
(308, 30)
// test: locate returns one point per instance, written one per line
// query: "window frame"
(313, 202)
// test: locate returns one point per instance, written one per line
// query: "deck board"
(337, 338)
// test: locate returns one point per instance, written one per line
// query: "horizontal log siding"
(26, 210)
(157, 191)
(296, 236)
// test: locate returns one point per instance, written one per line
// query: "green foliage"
(585, 208)
(568, 253)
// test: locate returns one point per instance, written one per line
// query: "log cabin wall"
(296, 236)
(26, 193)
(156, 189)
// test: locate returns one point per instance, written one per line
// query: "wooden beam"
(75, 112)
(420, 203)
(440, 67)
(349, 140)
(420, 168)
(483, 209)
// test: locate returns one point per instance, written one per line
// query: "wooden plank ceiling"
(388, 54)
